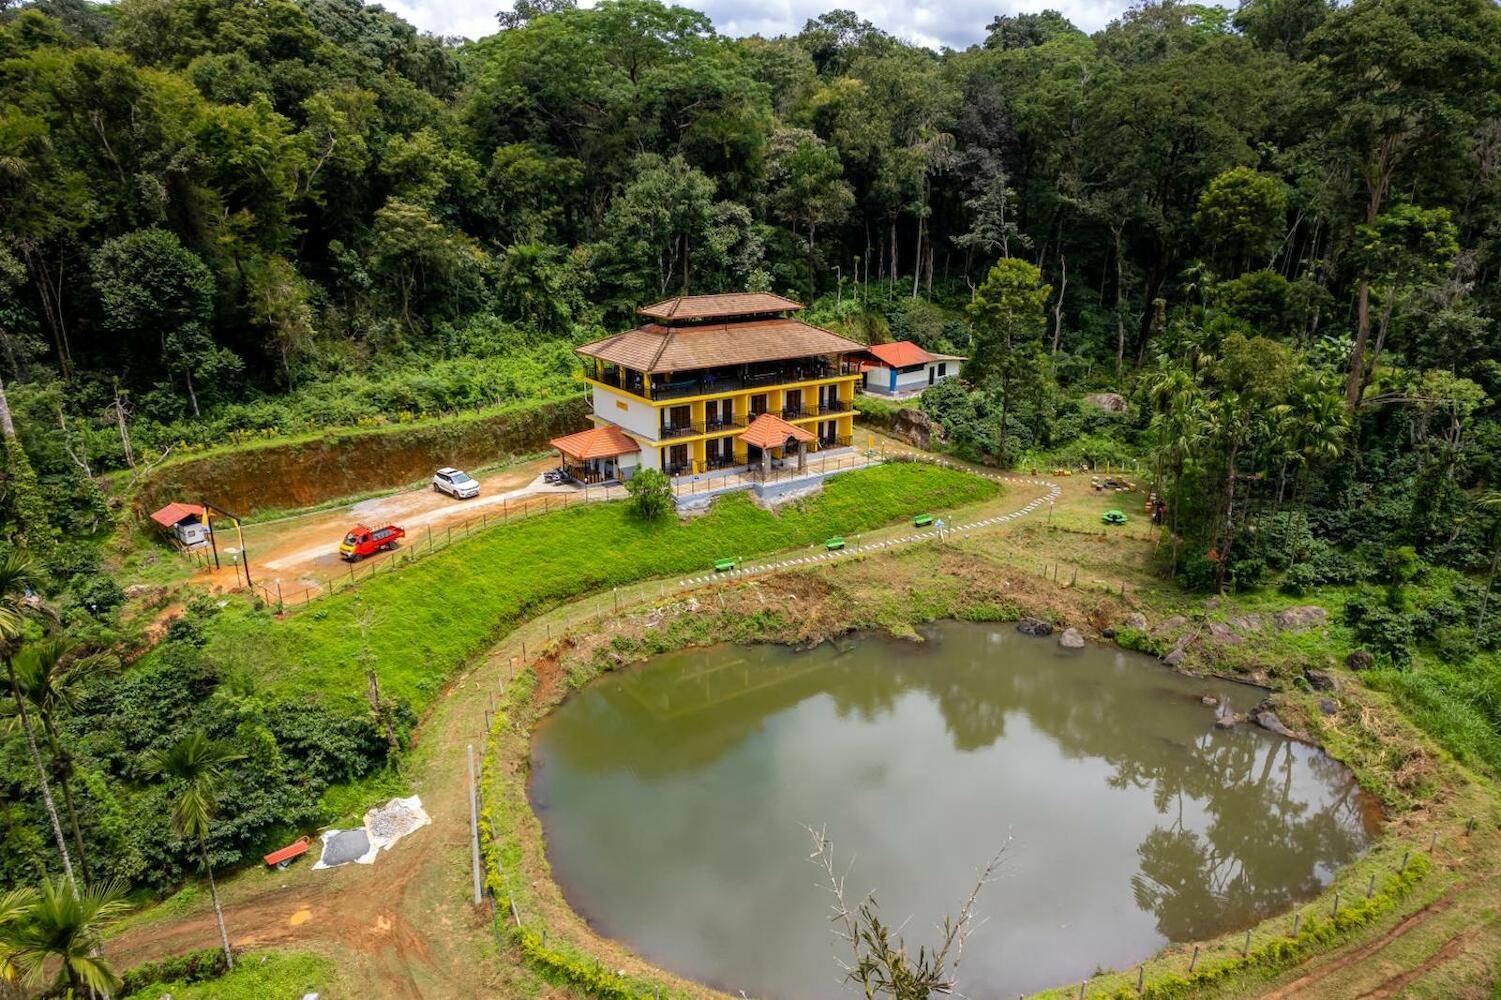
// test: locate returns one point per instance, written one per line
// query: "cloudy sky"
(956, 23)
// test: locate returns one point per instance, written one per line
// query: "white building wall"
(629, 414)
(906, 381)
(878, 379)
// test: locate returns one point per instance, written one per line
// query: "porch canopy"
(767, 432)
(589, 456)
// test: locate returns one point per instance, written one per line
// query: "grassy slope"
(434, 614)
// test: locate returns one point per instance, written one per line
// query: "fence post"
(474, 827)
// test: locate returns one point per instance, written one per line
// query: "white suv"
(455, 483)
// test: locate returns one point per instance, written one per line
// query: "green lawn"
(432, 616)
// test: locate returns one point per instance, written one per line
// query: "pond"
(674, 797)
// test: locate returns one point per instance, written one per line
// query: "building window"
(943, 368)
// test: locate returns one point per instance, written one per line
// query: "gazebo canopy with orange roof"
(604, 441)
(768, 431)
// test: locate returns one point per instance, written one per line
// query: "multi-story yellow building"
(713, 382)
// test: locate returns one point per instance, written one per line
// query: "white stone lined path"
(921, 535)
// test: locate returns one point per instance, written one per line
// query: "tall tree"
(1008, 312)
(1404, 82)
(195, 767)
(51, 675)
(158, 294)
(20, 581)
(807, 187)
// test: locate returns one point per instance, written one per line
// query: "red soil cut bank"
(346, 462)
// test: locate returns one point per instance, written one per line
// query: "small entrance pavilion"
(770, 436)
(599, 454)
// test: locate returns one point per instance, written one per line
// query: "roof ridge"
(667, 337)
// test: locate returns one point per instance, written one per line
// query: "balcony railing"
(717, 380)
(838, 441)
(671, 431)
(807, 410)
(712, 382)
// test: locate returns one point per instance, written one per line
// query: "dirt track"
(302, 552)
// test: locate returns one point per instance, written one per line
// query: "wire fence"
(418, 544)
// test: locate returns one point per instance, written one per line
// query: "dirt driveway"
(301, 553)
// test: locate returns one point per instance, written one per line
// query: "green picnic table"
(837, 542)
(923, 520)
(723, 565)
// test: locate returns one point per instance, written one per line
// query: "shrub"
(1300, 579)
(194, 967)
(98, 593)
(651, 494)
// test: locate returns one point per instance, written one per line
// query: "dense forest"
(1275, 231)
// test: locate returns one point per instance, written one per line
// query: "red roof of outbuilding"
(768, 431)
(900, 354)
(176, 512)
(604, 441)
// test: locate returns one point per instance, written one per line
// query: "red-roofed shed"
(904, 368)
(187, 522)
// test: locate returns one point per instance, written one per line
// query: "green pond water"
(674, 797)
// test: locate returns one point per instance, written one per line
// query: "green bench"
(837, 542)
(923, 520)
(723, 565)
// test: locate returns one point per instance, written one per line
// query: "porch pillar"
(802, 456)
(766, 462)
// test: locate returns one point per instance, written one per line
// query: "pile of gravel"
(340, 847)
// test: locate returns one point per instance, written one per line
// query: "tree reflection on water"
(1249, 820)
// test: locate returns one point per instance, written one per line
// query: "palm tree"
(13, 908)
(19, 579)
(63, 925)
(51, 677)
(198, 765)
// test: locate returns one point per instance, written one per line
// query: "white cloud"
(955, 23)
